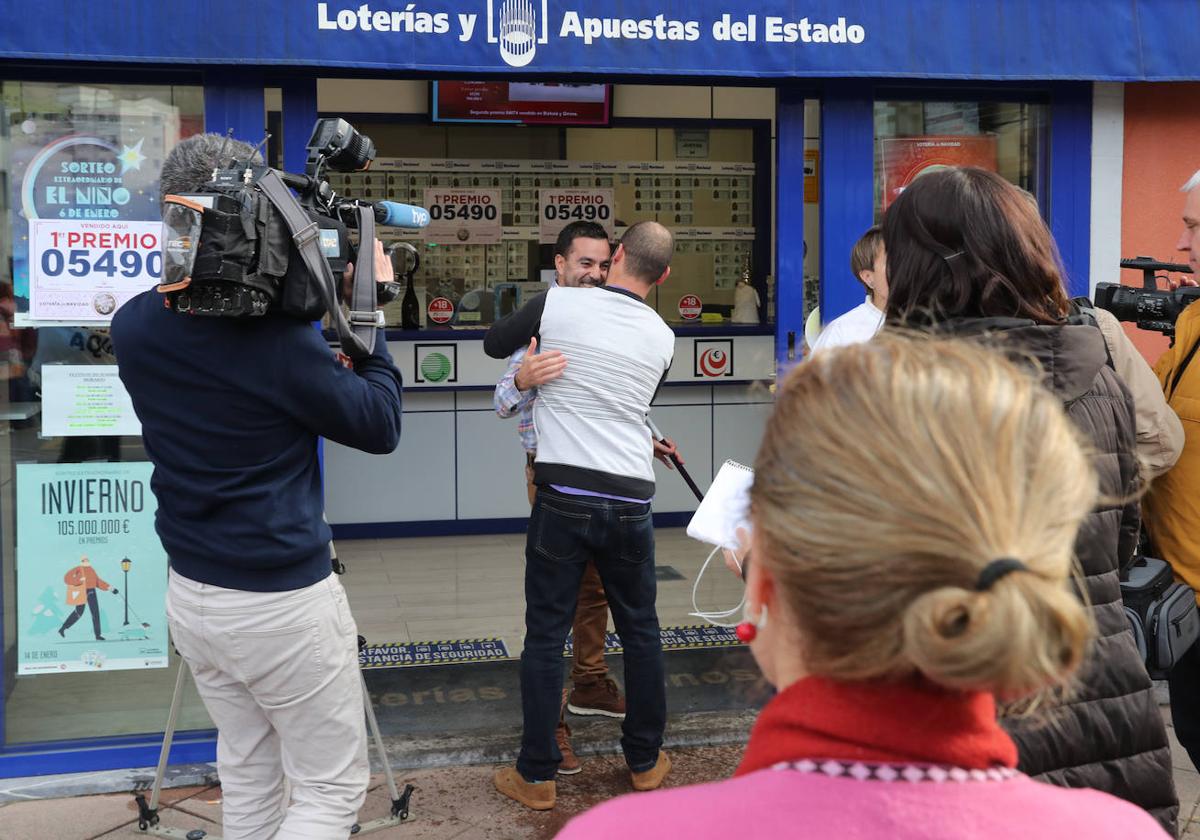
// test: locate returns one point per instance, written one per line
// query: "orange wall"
(1161, 153)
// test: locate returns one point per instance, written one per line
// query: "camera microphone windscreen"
(400, 215)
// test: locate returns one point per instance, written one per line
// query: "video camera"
(244, 245)
(1149, 307)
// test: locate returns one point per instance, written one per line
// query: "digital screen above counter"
(526, 103)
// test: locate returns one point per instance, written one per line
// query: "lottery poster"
(91, 572)
(85, 199)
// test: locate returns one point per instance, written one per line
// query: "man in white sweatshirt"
(595, 481)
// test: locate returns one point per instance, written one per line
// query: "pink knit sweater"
(773, 804)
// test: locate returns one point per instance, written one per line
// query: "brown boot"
(536, 795)
(652, 778)
(598, 698)
(570, 764)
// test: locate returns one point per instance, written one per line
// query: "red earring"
(747, 631)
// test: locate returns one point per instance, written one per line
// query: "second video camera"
(1149, 307)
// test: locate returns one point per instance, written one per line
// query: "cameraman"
(231, 410)
(1172, 507)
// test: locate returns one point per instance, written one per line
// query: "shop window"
(703, 184)
(913, 137)
(79, 159)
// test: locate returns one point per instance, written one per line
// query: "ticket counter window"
(85, 642)
(494, 193)
(913, 137)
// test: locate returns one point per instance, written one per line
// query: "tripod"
(148, 819)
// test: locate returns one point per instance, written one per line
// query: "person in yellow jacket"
(1172, 507)
(82, 583)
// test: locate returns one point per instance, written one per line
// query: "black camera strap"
(364, 317)
(306, 234)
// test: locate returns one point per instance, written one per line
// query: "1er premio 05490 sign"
(463, 216)
(81, 271)
(558, 208)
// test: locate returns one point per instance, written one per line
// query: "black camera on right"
(1149, 307)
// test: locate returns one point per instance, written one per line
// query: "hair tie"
(997, 569)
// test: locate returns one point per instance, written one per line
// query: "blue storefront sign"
(1121, 40)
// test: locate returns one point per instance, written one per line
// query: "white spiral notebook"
(725, 508)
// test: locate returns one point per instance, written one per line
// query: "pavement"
(449, 803)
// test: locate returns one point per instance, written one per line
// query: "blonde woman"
(914, 510)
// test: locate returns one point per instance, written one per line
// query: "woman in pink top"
(914, 509)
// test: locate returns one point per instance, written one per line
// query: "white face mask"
(718, 619)
(724, 511)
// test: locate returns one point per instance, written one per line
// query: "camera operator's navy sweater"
(231, 409)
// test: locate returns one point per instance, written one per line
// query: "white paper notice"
(86, 400)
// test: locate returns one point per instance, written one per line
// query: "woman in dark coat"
(968, 254)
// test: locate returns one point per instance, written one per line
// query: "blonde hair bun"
(1013, 639)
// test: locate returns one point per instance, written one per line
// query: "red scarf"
(911, 721)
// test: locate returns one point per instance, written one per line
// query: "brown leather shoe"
(570, 764)
(599, 698)
(652, 778)
(536, 795)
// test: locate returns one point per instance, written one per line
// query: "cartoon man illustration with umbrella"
(82, 583)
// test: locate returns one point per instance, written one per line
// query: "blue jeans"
(564, 533)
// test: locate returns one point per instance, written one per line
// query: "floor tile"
(88, 816)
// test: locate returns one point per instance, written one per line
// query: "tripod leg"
(148, 813)
(168, 734)
(400, 801)
(378, 737)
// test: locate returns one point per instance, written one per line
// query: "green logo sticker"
(436, 367)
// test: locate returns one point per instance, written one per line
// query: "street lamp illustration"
(125, 564)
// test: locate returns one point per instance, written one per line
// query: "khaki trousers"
(278, 674)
